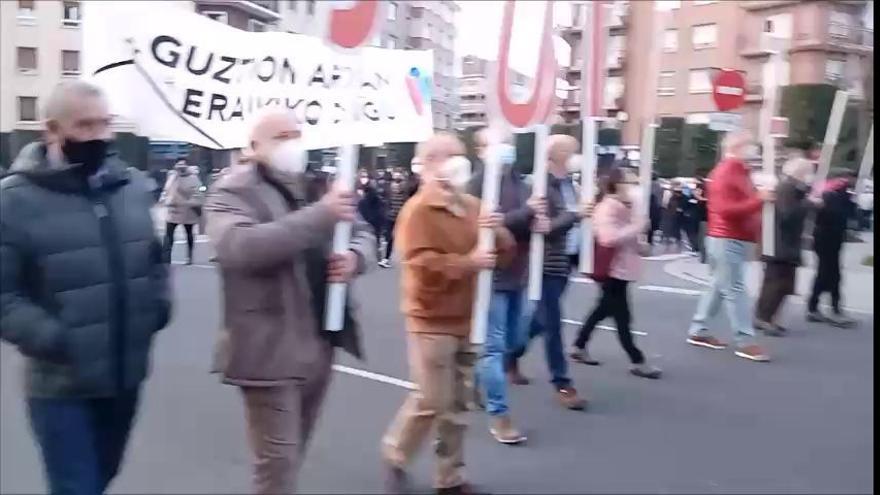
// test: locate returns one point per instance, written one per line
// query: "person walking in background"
(437, 233)
(506, 306)
(671, 223)
(655, 209)
(182, 199)
(617, 227)
(83, 288)
(792, 205)
(370, 205)
(272, 239)
(563, 212)
(688, 218)
(829, 235)
(734, 218)
(866, 208)
(700, 217)
(397, 194)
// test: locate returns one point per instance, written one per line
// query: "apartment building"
(828, 43)
(473, 85)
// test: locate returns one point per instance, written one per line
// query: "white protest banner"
(185, 77)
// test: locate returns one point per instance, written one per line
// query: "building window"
(834, 70)
(668, 4)
(27, 60)
(69, 62)
(613, 90)
(292, 4)
(27, 109)
(670, 41)
(70, 14)
(217, 16)
(310, 7)
(699, 81)
(704, 2)
(392, 11)
(256, 26)
(779, 25)
(26, 12)
(697, 118)
(416, 12)
(704, 36)
(666, 83)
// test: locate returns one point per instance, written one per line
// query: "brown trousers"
(280, 421)
(441, 365)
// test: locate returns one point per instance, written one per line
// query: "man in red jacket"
(734, 216)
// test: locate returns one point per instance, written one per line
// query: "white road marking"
(600, 327)
(194, 265)
(671, 290)
(369, 375)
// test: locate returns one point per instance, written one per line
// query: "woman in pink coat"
(615, 225)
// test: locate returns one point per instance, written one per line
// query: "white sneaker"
(385, 263)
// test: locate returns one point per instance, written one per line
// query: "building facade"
(473, 85)
(827, 42)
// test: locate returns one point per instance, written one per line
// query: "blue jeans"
(547, 320)
(503, 335)
(82, 440)
(727, 263)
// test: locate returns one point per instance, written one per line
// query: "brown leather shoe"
(569, 399)
(503, 431)
(706, 341)
(752, 352)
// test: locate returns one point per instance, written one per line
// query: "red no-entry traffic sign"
(728, 90)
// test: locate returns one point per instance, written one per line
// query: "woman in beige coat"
(182, 199)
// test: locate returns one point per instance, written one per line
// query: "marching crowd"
(85, 282)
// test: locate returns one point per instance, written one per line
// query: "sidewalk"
(857, 287)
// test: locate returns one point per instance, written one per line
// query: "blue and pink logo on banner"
(419, 87)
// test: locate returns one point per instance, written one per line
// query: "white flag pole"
(838, 109)
(588, 131)
(646, 158)
(768, 141)
(867, 164)
(539, 189)
(334, 314)
(486, 240)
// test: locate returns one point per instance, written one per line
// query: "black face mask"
(87, 154)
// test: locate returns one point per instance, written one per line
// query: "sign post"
(867, 164)
(646, 162)
(838, 109)
(768, 140)
(591, 50)
(348, 29)
(507, 113)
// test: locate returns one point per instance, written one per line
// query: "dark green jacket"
(82, 285)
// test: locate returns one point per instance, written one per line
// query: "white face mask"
(506, 154)
(288, 157)
(457, 170)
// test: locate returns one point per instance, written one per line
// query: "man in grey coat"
(273, 248)
(83, 289)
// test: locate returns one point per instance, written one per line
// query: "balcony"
(754, 92)
(615, 61)
(264, 10)
(765, 4)
(839, 38)
(619, 17)
(467, 107)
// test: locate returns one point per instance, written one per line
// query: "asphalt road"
(714, 424)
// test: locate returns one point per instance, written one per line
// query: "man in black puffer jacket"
(83, 288)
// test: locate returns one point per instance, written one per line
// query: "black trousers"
(170, 228)
(389, 237)
(827, 279)
(613, 302)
